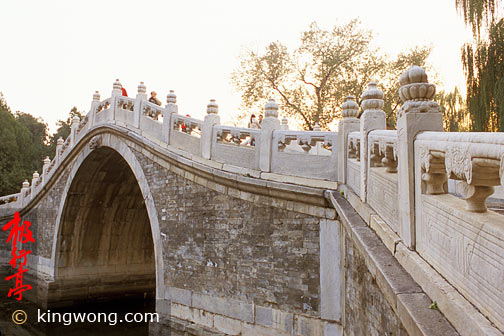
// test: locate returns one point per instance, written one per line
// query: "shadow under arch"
(105, 237)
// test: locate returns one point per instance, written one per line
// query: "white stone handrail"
(151, 110)
(104, 105)
(383, 149)
(477, 159)
(126, 103)
(306, 140)
(236, 135)
(354, 145)
(9, 198)
(187, 124)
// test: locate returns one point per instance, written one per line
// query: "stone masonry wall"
(226, 247)
(366, 310)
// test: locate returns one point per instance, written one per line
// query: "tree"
(455, 114)
(20, 149)
(63, 131)
(311, 82)
(483, 64)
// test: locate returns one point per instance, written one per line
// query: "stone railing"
(401, 175)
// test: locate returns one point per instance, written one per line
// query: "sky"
(55, 54)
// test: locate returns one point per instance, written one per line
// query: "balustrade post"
(116, 94)
(170, 109)
(94, 106)
(141, 97)
(211, 119)
(418, 113)
(372, 119)
(349, 123)
(284, 124)
(269, 124)
(59, 146)
(45, 166)
(73, 131)
(25, 187)
(33, 183)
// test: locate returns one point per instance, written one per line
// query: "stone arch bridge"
(272, 231)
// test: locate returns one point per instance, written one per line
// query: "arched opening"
(105, 247)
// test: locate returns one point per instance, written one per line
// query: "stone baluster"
(372, 119)
(25, 187)
(34, 183)
(212, 118)
(45, 166)
(170, 109)
(73, 131)
(116, 94)
(59, 146)
(349, 123)
(284, 124)
(94, 106)
(141, 97)
(418, 113)
(269, 124)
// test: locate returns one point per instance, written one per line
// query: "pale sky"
(55, 54)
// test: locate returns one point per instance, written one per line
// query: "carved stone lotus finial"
(96, 96)
(271, 109)
(212, 107)
(316, 127)
(117, 85)
(36, 175)
(75, 120)
(372, 98)
(142, 89)
(350, 109)
(415, 86)
(46, 161)
(26, 184)
(60, 141)
(284, 121)
(171, 98)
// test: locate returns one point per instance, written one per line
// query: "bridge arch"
(118, 159)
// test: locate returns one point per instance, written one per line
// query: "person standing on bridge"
(153, 98)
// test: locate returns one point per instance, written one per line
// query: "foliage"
(21, 136)
(455, 114)
(63, 131)
(477, 13)
(311, 82)
(483, 63)
(24, 142)
(484, 69)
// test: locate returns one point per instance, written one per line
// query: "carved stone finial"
(212, 107)
(285, 121)
(60, 141)
(372, 98)
(36, 175)
(316, 127)
(26, 184)
(117, 85)
(142, 89)
(96, 96)
(350, 109)
(171, 98)
(46, 161)
(75, 120)
(415, 86)
(271, 109)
